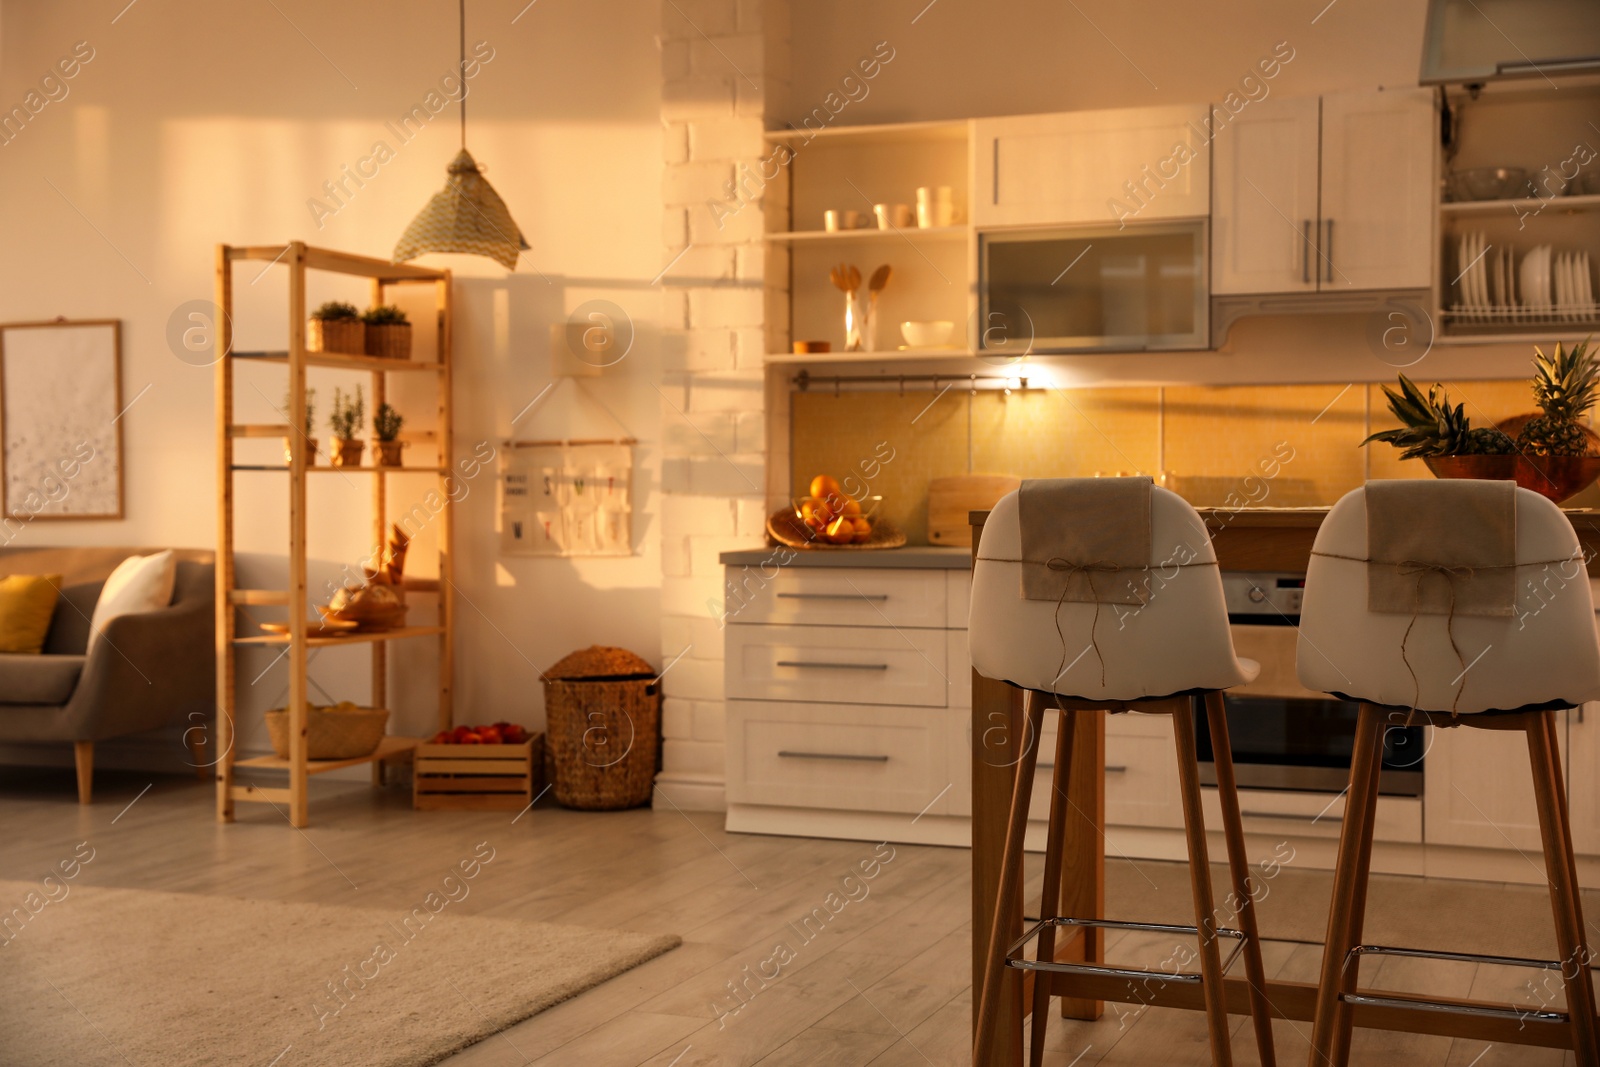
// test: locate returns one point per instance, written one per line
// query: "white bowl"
(927, 334)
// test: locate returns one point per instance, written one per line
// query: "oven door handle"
(1295, 816)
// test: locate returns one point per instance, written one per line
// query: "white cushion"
(1178, 641)
(1547, 652)
(140, 583)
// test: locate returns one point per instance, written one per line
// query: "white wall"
(197, 123)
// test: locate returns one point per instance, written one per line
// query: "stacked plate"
(1544, 286)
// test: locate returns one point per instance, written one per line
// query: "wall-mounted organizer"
(567, 498)
(569, 492)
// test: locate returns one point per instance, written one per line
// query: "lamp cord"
(461, 69)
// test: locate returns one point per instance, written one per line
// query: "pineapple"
(1564, 387)
(1431, 427)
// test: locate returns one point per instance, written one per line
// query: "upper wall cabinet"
(1091, 166)
(1333, 194)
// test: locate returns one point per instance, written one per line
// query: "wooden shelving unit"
(298, 258)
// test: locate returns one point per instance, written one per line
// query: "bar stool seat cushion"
(1544, 655)
(1177, 642)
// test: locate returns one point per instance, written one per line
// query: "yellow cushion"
(27, 603)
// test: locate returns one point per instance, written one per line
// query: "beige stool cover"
(1545, 652)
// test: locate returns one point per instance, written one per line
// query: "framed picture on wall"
(61, 419)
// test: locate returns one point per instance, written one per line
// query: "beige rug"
(113, 976)
(1483, 917)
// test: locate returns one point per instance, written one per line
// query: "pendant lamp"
(467, 215)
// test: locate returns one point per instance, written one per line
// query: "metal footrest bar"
(1482, 1010)
(1015, 959)
(1485, 1011)
(1455, 957)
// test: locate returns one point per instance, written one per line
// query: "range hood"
(1473, 41)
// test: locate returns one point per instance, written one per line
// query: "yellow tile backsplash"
(1276, 445)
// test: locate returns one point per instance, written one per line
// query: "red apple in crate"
(489, 735)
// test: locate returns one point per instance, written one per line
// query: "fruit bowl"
(1557, 478)
(786, 527)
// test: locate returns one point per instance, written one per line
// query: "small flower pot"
(391, 340)
(347, 451)
(348, 336)
(388, 453)
(311, 451)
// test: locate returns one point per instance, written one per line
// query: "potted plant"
(386, 424)
(336, 327)
(310, 426)
(348, 415)
(388, 332)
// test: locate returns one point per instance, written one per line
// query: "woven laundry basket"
(602, 710)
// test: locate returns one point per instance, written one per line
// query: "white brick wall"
(721, 60)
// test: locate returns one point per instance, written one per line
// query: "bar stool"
(1417, 665)
(1078, 657)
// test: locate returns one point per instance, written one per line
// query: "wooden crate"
(477, 777)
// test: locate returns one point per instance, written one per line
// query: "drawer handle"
(834, 596)
(1111, 768)
(832, 755)
(834, 666)
(1295, 816)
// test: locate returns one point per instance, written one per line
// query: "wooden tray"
(477, 777)
(786, 528)
(327, 627)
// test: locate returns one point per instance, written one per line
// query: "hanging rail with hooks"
(805, 380)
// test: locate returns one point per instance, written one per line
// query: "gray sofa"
(149, 670)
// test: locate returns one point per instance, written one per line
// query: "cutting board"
(949, 500)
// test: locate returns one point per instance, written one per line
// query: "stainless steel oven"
(1286, 737)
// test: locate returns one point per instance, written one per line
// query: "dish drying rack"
(1540, 287)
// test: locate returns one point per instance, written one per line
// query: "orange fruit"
(863, 530)
(851, 507)
(841, 531)
(824, 486)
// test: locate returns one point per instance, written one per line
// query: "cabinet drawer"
(834, 756)
(1141, 779)
(1318, 815)
(837, 665)
(838, 596)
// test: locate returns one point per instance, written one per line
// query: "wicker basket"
(336, 335)
(602, 711)
(391, 340)
(342, 732)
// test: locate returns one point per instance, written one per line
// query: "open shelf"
(1521, 206)
(352, 638)
(869, 234)
(282, 468)
(342, 361)
(388, 748)
(299, 260)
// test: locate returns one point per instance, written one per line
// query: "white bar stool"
(1406, 668)
(1089, 657)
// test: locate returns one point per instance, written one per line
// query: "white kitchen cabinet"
(1331, 194)
(1478, 791)
(1583, 778)
(1378, 189)
(1091, 166)
(1264, 198)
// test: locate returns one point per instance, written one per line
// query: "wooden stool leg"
(1561, 871)
(1194, 828)
(1006, 920)
(1330, 1037)
(1050, 900)
(1239, 868)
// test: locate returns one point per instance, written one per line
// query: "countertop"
(911, 557)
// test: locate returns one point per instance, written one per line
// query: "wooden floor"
(883, 980)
